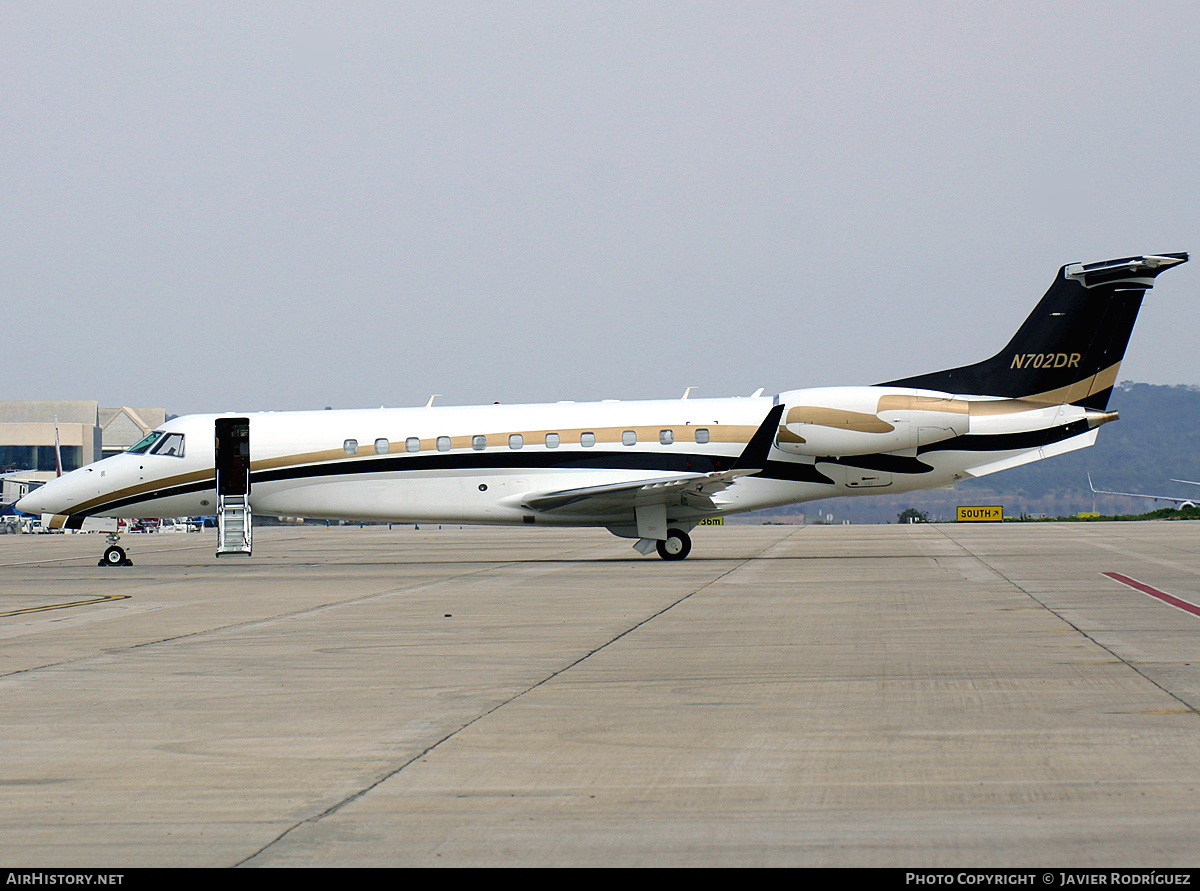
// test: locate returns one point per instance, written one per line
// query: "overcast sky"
(239, 206)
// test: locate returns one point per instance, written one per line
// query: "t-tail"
(1070, 348)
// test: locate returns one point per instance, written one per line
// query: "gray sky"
(211, 206)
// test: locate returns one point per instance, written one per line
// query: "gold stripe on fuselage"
(647, 435)
(905, 402)
(1089, 386)
(182, 479)
(821, 416)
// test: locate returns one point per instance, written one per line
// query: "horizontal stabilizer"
(1133, 270)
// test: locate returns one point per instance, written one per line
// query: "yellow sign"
(712, 521)
(991, 513)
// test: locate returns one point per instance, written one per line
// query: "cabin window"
(443, 443)
(516, 441)
(479, 442)
(701, 435)
(382, 446)
(551, 440)
(412, 444)
(143, 444)
(666, 437)
(587, 440)
(629, 437)
(170, 444)
(350, 446)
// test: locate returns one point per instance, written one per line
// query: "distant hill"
(1157, 438)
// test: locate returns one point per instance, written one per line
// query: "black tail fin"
(1070, 348)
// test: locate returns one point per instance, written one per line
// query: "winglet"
(754, 456)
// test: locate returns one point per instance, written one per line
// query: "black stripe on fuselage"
(534, 459)
(883, 463)
(544, 459)
(154, 495)
(1008, 442)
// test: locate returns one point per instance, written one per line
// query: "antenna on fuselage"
(429, 404)
(685, 392)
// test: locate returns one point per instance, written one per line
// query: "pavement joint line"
(389, 774)
(1187, 706)
(261, 621)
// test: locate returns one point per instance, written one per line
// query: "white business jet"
(649, 471)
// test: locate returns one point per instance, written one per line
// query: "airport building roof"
(84, 431)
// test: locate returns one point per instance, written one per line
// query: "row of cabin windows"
(517, 441)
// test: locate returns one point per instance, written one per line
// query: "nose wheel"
(114, 554)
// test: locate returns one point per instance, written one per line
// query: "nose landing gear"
(114, 554)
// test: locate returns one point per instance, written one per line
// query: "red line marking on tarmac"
(1154, 592)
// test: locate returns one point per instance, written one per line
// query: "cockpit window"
(170, 444)
(142, 445)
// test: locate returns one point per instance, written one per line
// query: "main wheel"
(675, 546)
(113, 556)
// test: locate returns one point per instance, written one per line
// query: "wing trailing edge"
(639, 493)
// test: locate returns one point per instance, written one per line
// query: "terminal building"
(35, 436)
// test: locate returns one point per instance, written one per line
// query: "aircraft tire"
(676, 546)
(115, 556)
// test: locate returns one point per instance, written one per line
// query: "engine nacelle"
(837, 421)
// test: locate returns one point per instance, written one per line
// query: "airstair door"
(234, 526)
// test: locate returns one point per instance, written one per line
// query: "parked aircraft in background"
(15, 485)
(1179, 502)
(650, 471)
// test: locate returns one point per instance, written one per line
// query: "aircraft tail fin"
(1070, 348)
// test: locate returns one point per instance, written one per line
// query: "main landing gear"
(114, 554)
(676, 546)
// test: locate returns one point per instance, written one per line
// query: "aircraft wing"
(1171, 498)
(628, 496)
(618, 495)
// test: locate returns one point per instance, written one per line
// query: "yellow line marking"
(41, 609)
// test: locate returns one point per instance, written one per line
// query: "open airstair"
(234, 525)
(232, 455)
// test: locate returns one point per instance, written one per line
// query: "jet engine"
(838, 421)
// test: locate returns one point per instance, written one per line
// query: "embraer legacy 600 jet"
(649, 471)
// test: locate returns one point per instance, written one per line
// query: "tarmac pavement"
(916, 696)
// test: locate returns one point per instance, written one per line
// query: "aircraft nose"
(32, 503)
(55, 497)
